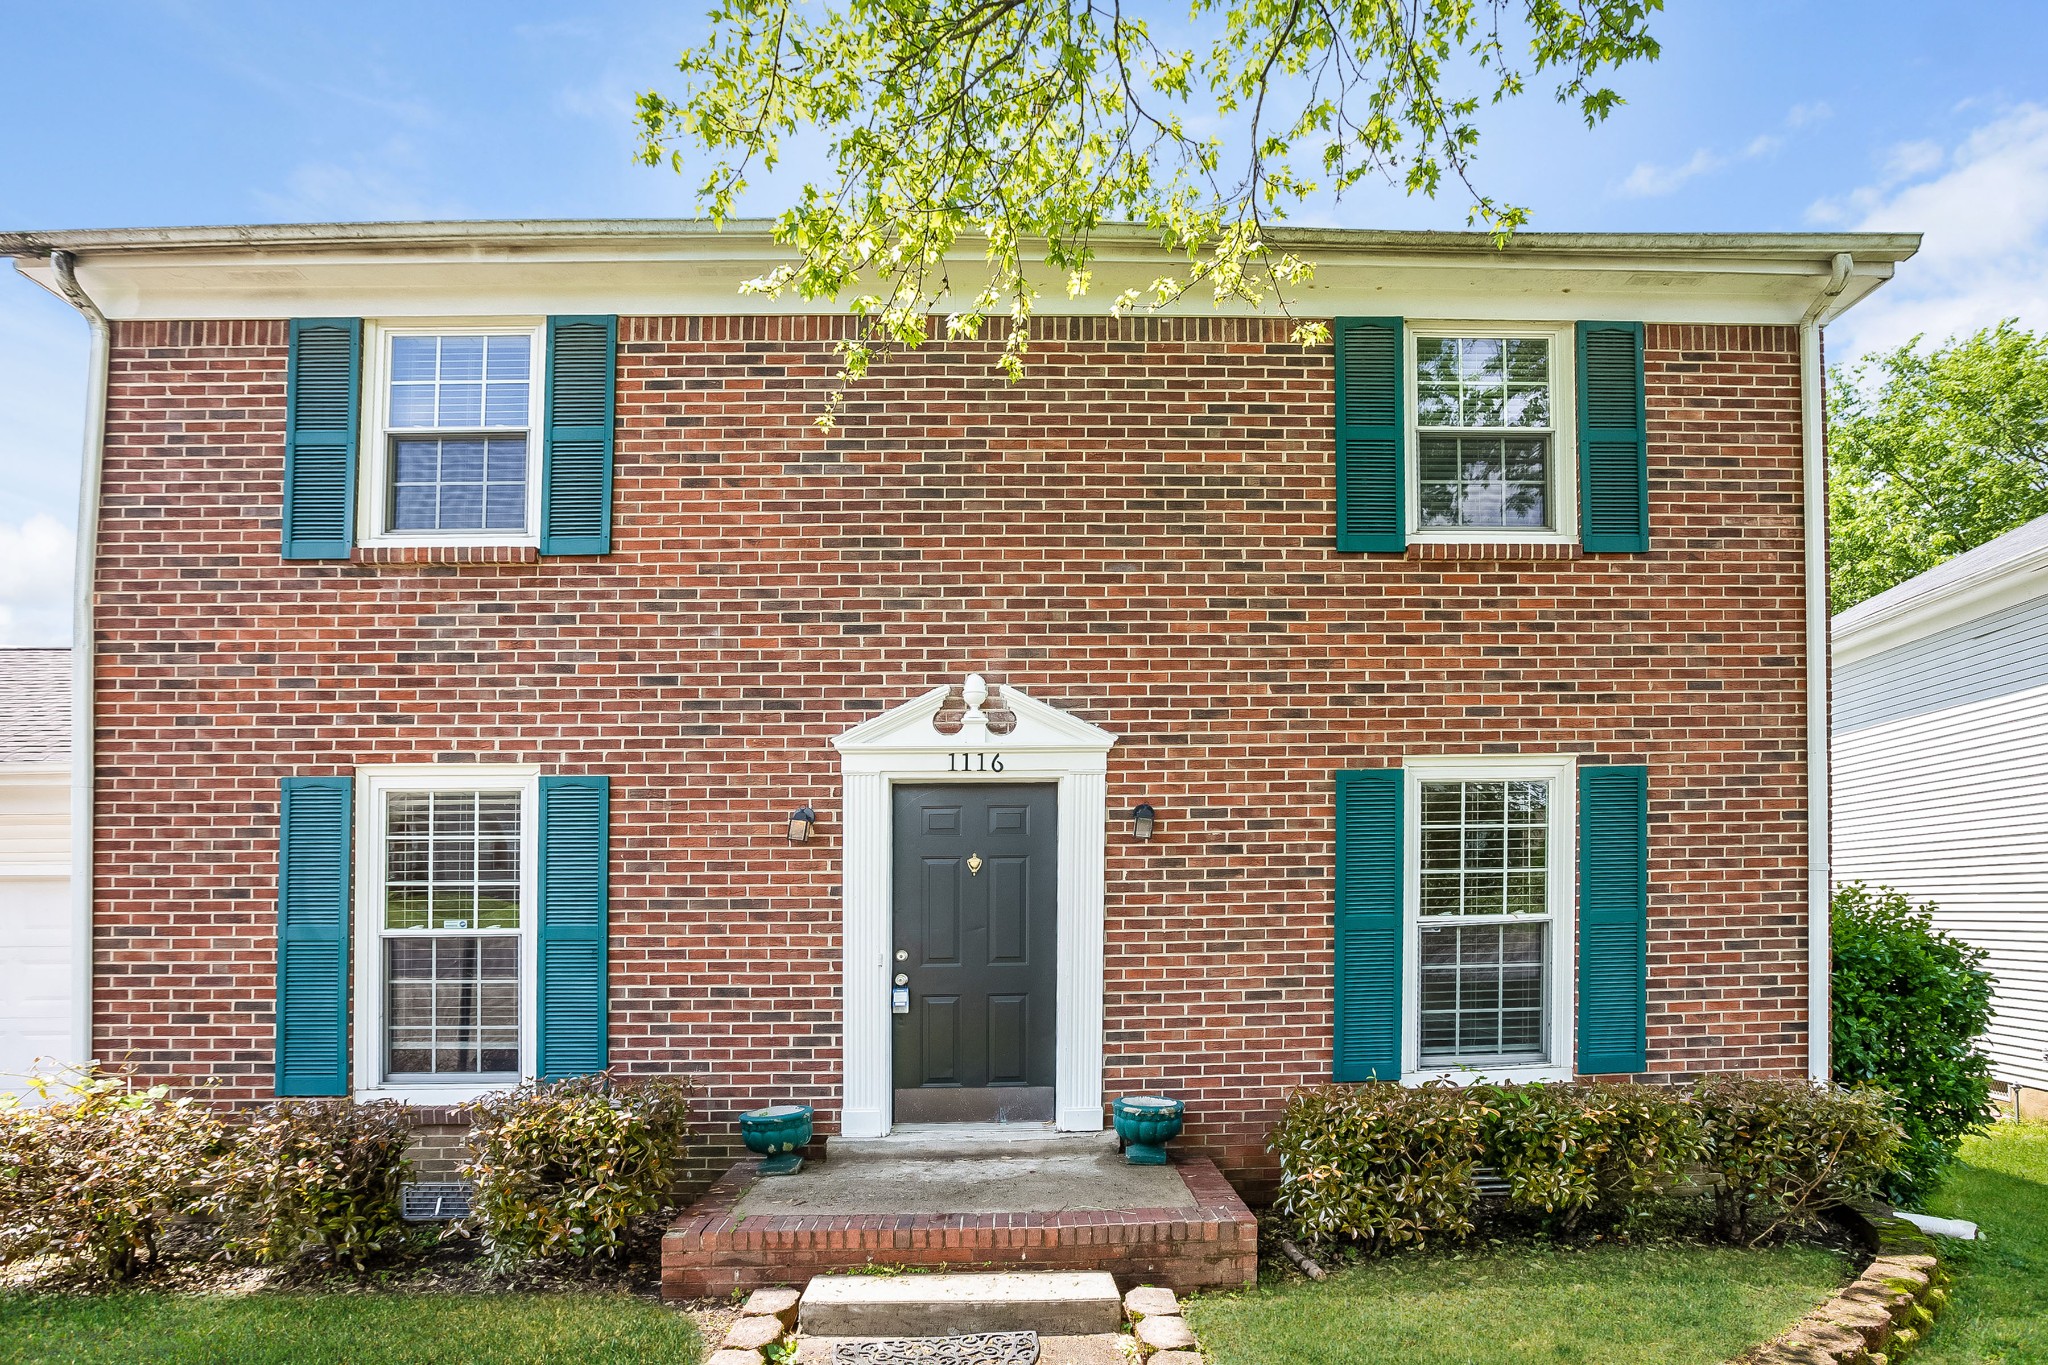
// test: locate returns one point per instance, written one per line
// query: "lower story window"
(1484, 921)
(454, 911)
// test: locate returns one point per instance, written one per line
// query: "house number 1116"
(974, 763)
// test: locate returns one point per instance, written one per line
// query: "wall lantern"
(800, 822)
(1141, 820)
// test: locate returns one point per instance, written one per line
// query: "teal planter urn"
(776, 1134)
(1145, 1124)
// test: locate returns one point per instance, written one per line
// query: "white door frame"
(903, 745)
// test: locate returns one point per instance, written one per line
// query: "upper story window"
(1490, 454)
(454, 459)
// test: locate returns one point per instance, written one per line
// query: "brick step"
(716, 1246)
(1049, 1302)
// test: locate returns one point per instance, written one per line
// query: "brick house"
(479, 610)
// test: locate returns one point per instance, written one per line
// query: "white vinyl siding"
(35, 921)
(1941, 790)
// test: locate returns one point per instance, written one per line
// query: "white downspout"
(62, 265)
(1813, 440)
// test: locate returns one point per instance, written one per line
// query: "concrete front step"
(1049, 1302)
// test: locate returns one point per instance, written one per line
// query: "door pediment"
(908, 735)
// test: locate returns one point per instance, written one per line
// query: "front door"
(975, 956)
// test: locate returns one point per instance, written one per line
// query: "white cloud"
(1984, 209)
(35, 582)
(387, 184)
(1650, 180)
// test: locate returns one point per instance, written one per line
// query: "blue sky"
(1762, 115)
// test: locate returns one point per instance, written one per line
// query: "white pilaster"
(865, 956)
(1083, 833)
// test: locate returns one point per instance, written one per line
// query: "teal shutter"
(576, 459)
(1614, 448)
(1371, 510)
(323, 379)
(575, 866)
(312, 936)
(1614, 912)
(1369, 888)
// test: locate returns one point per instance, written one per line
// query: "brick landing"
(708, 1252)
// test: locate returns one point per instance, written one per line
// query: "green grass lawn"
(1618, 1305)
(1998, 1305)
(342, 1329)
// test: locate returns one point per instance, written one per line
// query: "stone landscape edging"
(1881, 1315)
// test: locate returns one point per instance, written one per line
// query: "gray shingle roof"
(2018, 543)
(35, 705)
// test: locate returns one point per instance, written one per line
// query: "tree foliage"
(1933, 452)
(1024, 127)
(1911, 1005)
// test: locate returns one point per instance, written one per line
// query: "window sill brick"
(445, 554)
(1464, 549)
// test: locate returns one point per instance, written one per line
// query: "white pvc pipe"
(82, 657)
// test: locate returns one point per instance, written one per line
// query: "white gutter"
(82, 657)
(1813, 441)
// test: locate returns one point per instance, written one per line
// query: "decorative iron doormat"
(984, 1348)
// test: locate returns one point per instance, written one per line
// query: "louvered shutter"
(575, 861)
(1368, 967)
(1614, 470)
(1371, 511)
(322, 382)
(1614, 909)
(576, 464)
(312, 936)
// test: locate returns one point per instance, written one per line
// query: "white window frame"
(374, 787)
(1564, 453)
(1561, 771)
(373, 482)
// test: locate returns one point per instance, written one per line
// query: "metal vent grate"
(435, 1200)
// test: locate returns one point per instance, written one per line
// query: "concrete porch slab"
(1049, 1302)
(1110, 1348)
(1181, 1225)
(1005, 1183)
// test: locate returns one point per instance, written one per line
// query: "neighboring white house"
(1941, 767)
(35, 859)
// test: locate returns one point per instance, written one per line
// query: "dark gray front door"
(976, 902)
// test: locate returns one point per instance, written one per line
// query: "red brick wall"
(1139, 532)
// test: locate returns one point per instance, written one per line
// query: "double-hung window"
(445, 932)
(455, 456)
(1490, 447)
(1490, 918)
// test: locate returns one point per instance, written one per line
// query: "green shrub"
(1910, 1004)
(1784, 1150)
(319, 1176)
(565, 1168)
(1380, 1164)
(98, 1174)
(1568, 1151)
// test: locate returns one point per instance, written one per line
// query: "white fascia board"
(499, 271)
(2008, 585)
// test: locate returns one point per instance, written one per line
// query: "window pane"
(459, 485)
(445, 1012)
(505, 405)
(412, 405)
(1485, 848)
(415, 359)
(462, 358)
(452, 860)
(461, 405)
(1482, 994)
(510, 357)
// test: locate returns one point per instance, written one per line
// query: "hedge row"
(1384, 1166)
(102, 1173)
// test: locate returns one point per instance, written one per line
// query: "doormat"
(984, 1348)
